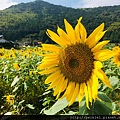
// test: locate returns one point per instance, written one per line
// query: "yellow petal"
(48, 54)
(81, 92)
(63, 87)
(77, 33)
(70, 31)
(94, 87)
(79, 20)
(75, 93)
(100, 74)
(63, 36)
(55, 82)
(55, 37)
(115, 60)
(82, 86)
(51, 48)
(80, 97)
(91, 40)
(98, 64)
(89, 90)
(91, 82)
(48, 64)
(48, 71)
(70, 90)
(59, 86)
(52, 77)
(99, 99)
(50, 59)
(97, 38)
(103, 55)
(99, 46)
(83, 33)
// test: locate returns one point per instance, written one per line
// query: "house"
(1, 36)
(5, 43)
(36, 43)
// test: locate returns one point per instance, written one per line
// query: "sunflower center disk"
(76, 63)
(73, 63)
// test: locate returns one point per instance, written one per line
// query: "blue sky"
(68, 3)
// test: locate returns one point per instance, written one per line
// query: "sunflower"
(75, 64)
(16, 66)
(116, 58)
(9, 99)
(1, 52)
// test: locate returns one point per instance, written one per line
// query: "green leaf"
(25, 86)
(114, 81)
(115, 106)
(83, 108)
(45, 93)
(70, 113)
(16, 79)
(59, 105)
(104, 87)
(97, 108)
(104, 97)
(21, 102)
(101, 109)
(109, 71)
(30, 106)
(15, 89)
(5, 69)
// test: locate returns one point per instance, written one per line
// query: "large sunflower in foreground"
(116, 58)
(75, 64)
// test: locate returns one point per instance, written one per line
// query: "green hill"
(30, 20)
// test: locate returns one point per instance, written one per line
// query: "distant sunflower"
(75, 65)
(116, 58)
(1, 52)
(16, 66)
(9, 99)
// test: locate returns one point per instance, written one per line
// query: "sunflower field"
(23, 92)
(82, 77)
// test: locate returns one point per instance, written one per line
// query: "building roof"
(3, 41)
(1, 36)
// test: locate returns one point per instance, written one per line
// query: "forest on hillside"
(29, 21)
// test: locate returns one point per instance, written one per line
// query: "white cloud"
(96, 3)
(71, 3)
(84, 3)
(6, 3)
